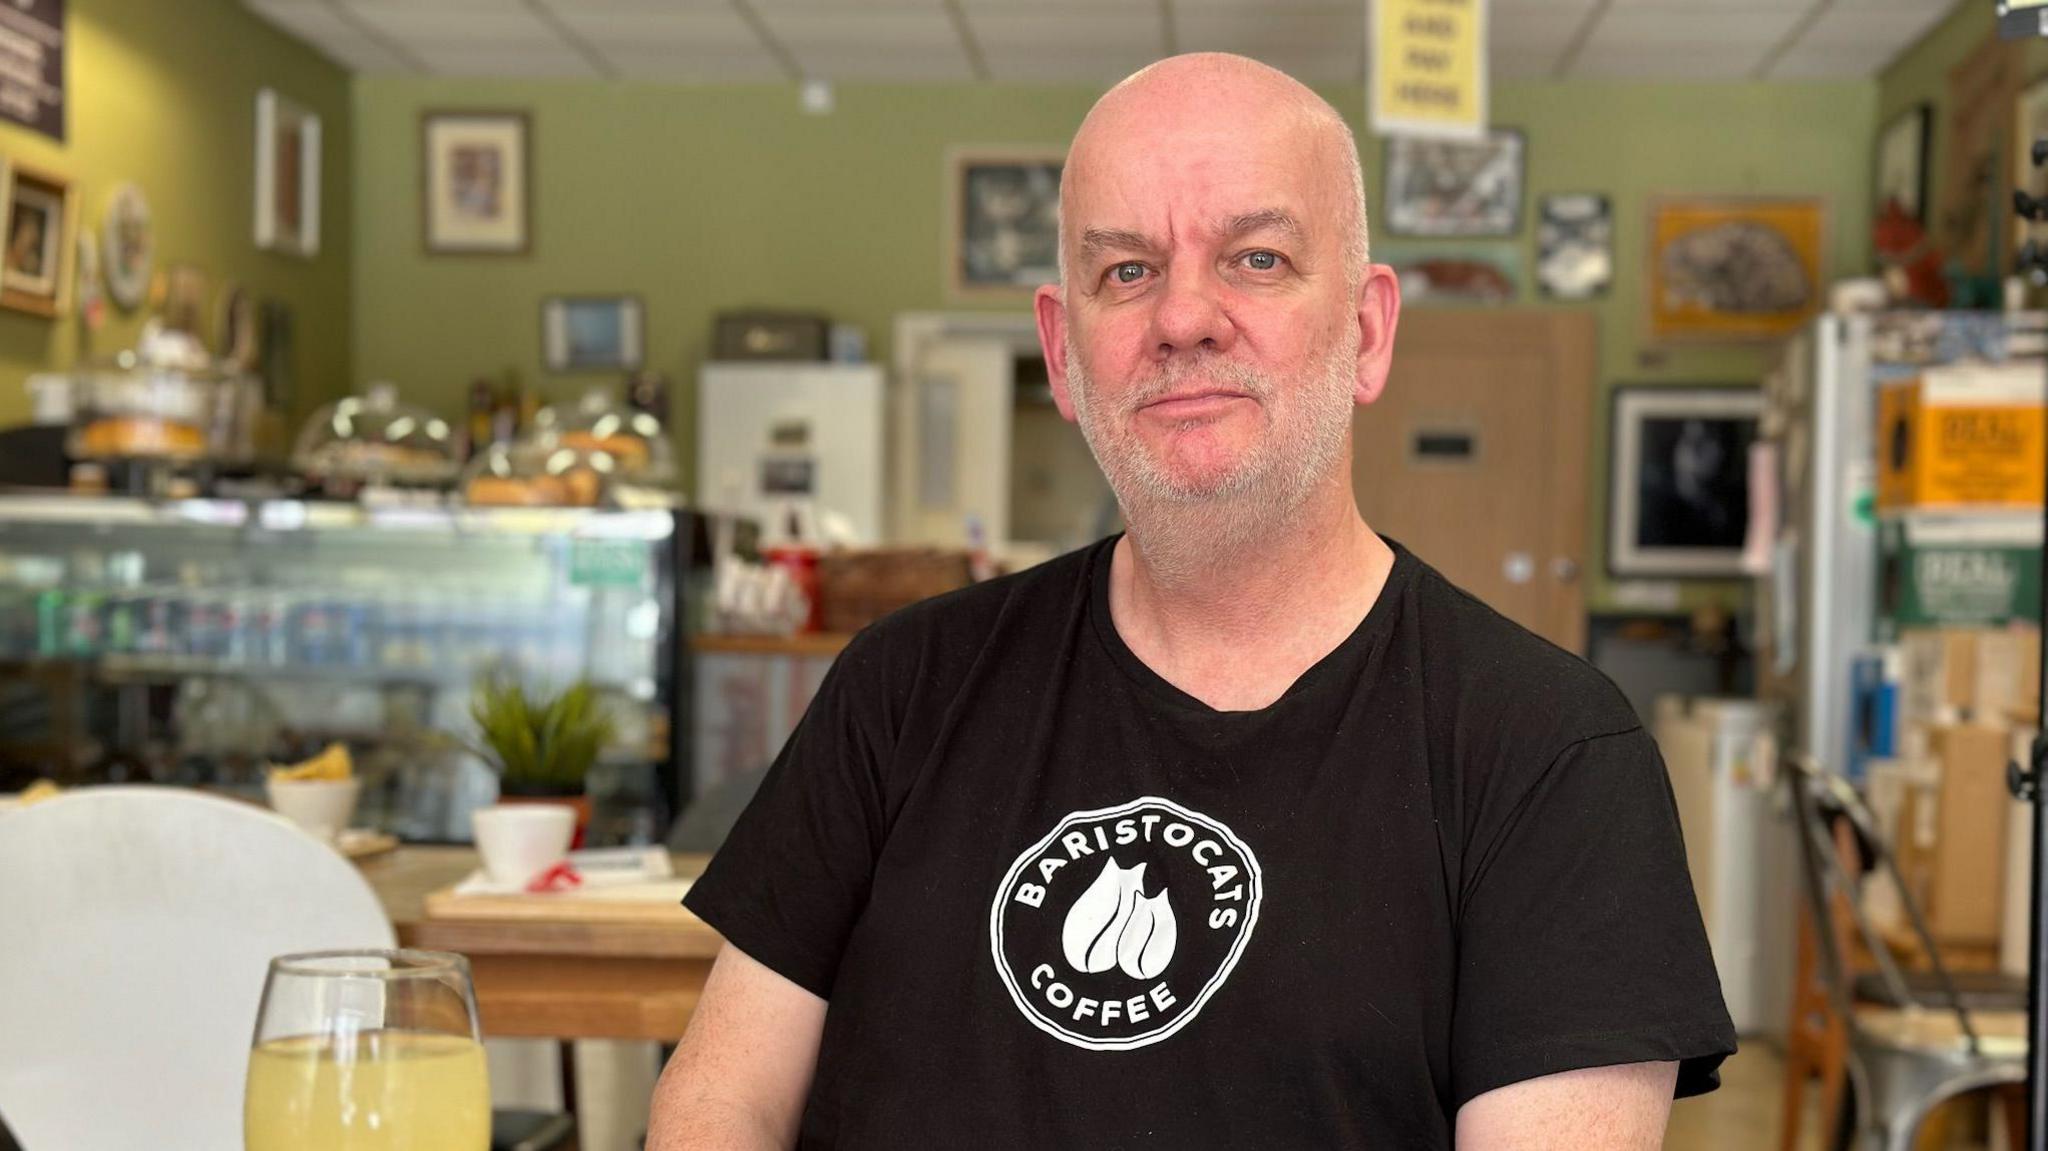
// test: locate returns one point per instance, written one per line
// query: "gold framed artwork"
(1733, 269)
(1003, 229)
(41, 216)
(476, 182)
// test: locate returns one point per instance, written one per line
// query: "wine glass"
(367, 1051)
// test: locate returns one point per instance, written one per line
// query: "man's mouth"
(1194, 405)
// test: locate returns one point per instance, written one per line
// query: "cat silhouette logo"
(1114, 930)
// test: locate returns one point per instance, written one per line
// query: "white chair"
(136, 925)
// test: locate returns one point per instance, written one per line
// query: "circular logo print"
(1114, 930)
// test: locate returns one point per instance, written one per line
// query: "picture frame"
(1733, 269)
(593, 333)
(287, 176)
(37, 261)
(128, 247)
(1474, 273)
(476, 182)
(1574, 245)
(1900, 164)
(1464, 188)
(1678, 483)
(1002, 221)
(2029, 123)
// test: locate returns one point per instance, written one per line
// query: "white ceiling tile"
(1891, 28)
(1096, 65)
(644, 27)
(503, 60)
(410, 23)
(734, 64)
(309, 20)
(362, 54)
(847, 62)
(1669, 63)
(1534, 27)
(1241, 29)
(901, 31)
(1699, 29)
(1118, 29)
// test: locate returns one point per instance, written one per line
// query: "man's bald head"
(1216, 94)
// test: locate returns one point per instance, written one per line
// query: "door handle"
(1565, 568)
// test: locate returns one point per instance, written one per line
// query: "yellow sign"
(1429, 68)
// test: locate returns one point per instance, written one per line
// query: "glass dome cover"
(377, 438)
(539, 471)
(598, 422)
(166, 398)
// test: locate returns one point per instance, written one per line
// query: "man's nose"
(1190, 315)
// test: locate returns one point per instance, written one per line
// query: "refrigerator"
(784, 440)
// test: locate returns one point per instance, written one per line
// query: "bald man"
(1242, 829)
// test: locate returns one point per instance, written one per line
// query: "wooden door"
(1475, 457)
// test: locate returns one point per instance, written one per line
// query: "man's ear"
(1051, 312)
(1379, 313)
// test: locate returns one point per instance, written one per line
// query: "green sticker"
(607, 563)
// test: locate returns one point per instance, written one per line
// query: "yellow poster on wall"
(1429, 68)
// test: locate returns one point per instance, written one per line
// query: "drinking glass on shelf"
(367, 1051)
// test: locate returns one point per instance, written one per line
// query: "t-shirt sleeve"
(792, 877)
(1580, 942)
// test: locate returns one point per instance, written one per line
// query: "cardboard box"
(1964, 435)
(2008, 677)
(1938, 676)
(1951, 841)
(1981, 569)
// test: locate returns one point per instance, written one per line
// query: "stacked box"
(1962, 436)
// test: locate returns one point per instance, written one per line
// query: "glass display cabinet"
(195, 641)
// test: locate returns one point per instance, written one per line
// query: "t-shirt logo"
(1114, 930)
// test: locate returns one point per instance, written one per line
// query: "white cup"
(520, 840)
(322, 807)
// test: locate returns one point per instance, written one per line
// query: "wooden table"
(537, 978)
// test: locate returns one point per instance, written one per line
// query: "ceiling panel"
(846, 62)
(897, 32)
(733, 64)
(651, 27)
(412, 23)
(503, 60)
(1119, 30)
(1807, 62)
(1694, 28)
(1240, 29)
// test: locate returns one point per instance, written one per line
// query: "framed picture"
(1574, 245)
(1003, 229)
(287, 176)
(1454, 187)
(1454, 273)
(129, 247)
(35, 266)
(1902, 161)
(1679, 504)
(2029, 123)
(1733, 270)
(591, 333)
(476, 182)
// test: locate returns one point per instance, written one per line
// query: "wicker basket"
(860, 587)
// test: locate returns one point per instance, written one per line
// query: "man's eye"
(1127, 273)
(1262, 261)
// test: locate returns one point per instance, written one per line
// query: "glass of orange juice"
(367, 1051)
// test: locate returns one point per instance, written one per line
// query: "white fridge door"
(741, 405)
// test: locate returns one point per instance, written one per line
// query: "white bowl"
(323, 807)
(520, 840)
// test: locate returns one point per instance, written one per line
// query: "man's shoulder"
(1482, 667)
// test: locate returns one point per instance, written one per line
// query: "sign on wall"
(1429, 68)
(32, 64)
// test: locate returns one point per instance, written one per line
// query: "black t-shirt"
(1055, 901)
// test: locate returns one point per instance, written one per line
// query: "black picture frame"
(1663, 523)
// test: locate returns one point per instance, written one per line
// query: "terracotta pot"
(580, 804)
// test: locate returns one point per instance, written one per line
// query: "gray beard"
(1183, 529)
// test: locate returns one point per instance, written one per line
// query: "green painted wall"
(164, 94)
(704, 199)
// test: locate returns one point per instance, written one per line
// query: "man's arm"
(1621, 1108)
(739, 1077)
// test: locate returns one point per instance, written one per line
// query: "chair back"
(138, 924)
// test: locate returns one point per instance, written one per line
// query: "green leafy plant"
(541, 745)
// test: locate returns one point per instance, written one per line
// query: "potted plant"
(542, 746)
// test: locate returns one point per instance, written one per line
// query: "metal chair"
(1912, 1051)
